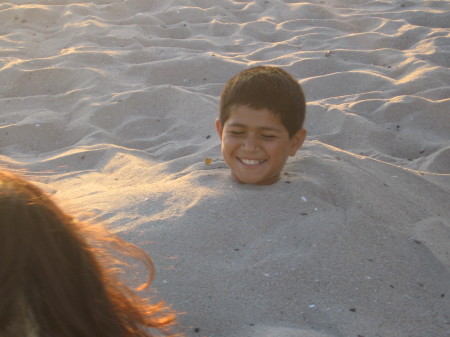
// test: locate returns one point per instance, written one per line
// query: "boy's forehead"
(245, 116)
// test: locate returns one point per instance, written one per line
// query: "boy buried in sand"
(262, 110)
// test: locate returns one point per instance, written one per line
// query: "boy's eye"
(234, 132)
(268, 136)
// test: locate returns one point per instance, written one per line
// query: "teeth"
(251, 161)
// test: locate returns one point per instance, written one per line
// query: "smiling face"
(256, 144)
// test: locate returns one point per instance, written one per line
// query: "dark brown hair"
(266, 87)
(59, 277)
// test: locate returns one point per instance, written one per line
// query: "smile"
(251, 162)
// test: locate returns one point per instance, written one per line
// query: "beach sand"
(110, 106)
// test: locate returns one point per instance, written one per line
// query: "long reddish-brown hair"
(58, 276)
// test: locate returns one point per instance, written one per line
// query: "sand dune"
(110, 106)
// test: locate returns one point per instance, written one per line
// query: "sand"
(110, 106)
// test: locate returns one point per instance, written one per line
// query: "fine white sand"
(110, 106)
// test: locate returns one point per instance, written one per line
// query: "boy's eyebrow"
(267, 128)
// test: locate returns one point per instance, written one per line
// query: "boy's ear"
(297, 141)
(219, 128)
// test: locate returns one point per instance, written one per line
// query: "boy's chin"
(255, 181)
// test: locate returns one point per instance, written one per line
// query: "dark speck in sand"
(208, 136)
(288, 181)
(303, 213)
(196, 330)
(352, 309)
(418, 242)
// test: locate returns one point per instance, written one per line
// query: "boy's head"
(262, 111)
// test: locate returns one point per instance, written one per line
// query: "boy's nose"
(250, 144)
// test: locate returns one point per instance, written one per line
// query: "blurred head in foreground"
(262, 110)
(58, 276)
